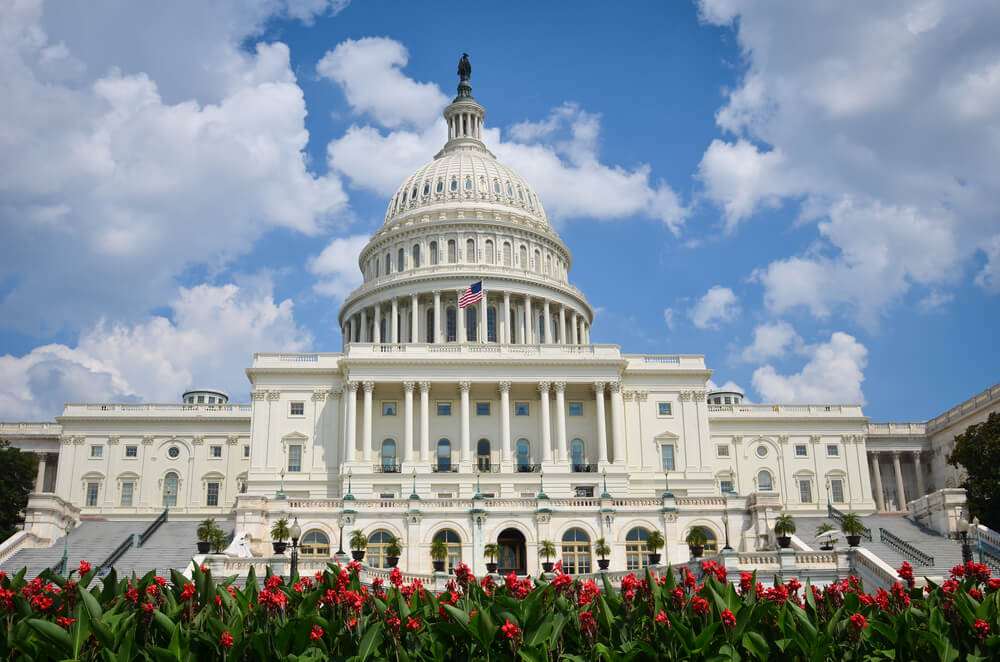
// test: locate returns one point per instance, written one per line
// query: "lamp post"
(65, 557)
(348, 496)
(541, 484)
(827, 494)
(604, 475)
(479, 493)
(296, 533)
(666, 486)
(340, 545)
(725, 522)
(281, 492)
(963, 532)
(413, 494)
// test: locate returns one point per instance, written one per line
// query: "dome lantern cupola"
(464, 116)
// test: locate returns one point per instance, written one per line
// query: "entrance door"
(512, 553)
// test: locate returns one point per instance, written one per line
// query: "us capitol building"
(497, 422)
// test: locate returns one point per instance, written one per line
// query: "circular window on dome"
(468, 184)
(510, 191)
(762, 451)
(496, 187)
(173, 452)
(454, 185)
(440, 186)
(427, 190)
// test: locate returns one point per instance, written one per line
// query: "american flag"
(471, 295)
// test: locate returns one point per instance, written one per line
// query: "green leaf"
(757, 645)
(533, 654)
(541, 633)
(370, 641)
(52, 632)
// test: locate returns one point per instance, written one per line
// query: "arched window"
(491, 324)
(381, 330)
(712, 543)
(490, 257)
(453, 186)
(315, 543)
(471, 319)
(415, 255)
(170, 482)
(400, 259)
(431, 329)
(388, 263)
(389, 456)
(576, 454)
(377, 270)
(541, 330)
(444, 455)
(522, 255)
(548, 264)
(402, 203)
(427, 189)
(523, 455)
(496, 186)
(538, 261)
(440, 186)
(454, 544)
(636, 554)
(506, 254)
(451, 251)
(377, 542)
(450, 323)
(470, 250)
(468, 184)
(483, 455)
(764, 483)
(576, 552)
(434, 253)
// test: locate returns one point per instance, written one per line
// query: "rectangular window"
(584, 490)
(246, 451)
(805, 491)
(800, 450)
(389, 408)
(667, 455)
(725, 486)
(92, 494)
(576, 409)
(296, 409)
(482, 409)
(444, 409)
(832, 450)
(97, 451)
(127, 489)
(295, 457)
(837, 491)
(448, 495)
(663, 409)
(386, 495)
(216, 451)
(521, 409)
(722, 450)
(212, 497)
(201, 399)
(131, 451)
(528, 495)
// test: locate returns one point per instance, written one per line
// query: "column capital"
(319, 395)
(408, 386)
(559, 387)
(916, 456)
(599, 388)
(114, 440)
(464, 386)
(258, 395)
(615, 387)
(335, 392)
(815, 438)
(628, 396)
(543, 387)
(436, 293)
(896, 454)
(699, 395)
(642, 396)
(232, 439)
(504, 386)
(425, 387)
(352, 386)
(274, 395)
(369, 386)
(147, 440)
(684, 396)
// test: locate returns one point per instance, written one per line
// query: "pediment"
(295, 436)
(666, 435)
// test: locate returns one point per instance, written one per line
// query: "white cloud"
(884, 122)
(117, 189)
(934, 301)
(730, 385)
(669, 315)
(833, 374)
(719, 304)
(337, 266)
(773, 339)
(211, 338)
(989, 277)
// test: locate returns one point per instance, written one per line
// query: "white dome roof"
(464, 177)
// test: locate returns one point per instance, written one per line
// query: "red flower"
(226, 640)
(274, 581)
(728, 619)
(588, 624)
(662, 618)
(412, 623)
(188, 591)
(396, 577)
(202, 567)
(132, 595)
(84, 568)
(160, 581)
(982, 628)
(699, 605)
(858, 622)
(351, 623)
(510, 630)
(67, 622)
(148, 609)
(317, 633)
(906, 572)
(153, 590)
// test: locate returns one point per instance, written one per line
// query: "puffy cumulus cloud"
(557, 155)
(337, 266)
(773, 339)
(212, 335)
(117, 191)
(885, 121)
(369, 72)
(717, 305)
(833, 373)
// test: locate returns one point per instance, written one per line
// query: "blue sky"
(803, 193)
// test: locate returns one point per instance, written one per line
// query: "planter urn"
(279, 547)
(784, 542)
(204, 547)
(654, 559)
(603, 563)
(358, 554)
(853, 541)
(491, 568)
(438, 566)
(391, 561)
(696, 551)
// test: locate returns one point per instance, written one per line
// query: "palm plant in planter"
(654, 542)
(546, 550)
(784, 527)
(279, 535)
(358, 542)
(393, 549)
(210, 536)
(852, 526)
(696, 540)
(829, 541)
(602, 550)
(492, 551)
(439, 552)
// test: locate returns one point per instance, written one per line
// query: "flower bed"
(331, 614)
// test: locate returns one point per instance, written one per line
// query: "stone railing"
(900, 429)
(784, 411)
(874, 572)
(509, 504)
(696, 501)
(39, 429)
(171, 409)
(483, 350)
(15, 543)
(970, 405)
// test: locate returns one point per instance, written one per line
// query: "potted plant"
(393, 549)
(208, 534)
(439, 553)
(696, 540)
(654, 542)
(784, 527)
(279, 535)
(852, 526)
(830, 541)
(358, 542)
(602, 550)
(546, 550)
(492, 551)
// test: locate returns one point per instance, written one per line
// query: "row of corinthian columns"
(898, 470)
(423, 453)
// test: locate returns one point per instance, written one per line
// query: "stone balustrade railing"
(786, 411)
(512, 505)
(970, 405)
(901, 429)
(40, 429)
(172, 409)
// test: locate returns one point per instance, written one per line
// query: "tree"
(18, 481)
(977, 451)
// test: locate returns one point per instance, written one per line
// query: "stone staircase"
(171, 546)
(92, 541)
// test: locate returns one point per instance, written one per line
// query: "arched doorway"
(513, 553)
